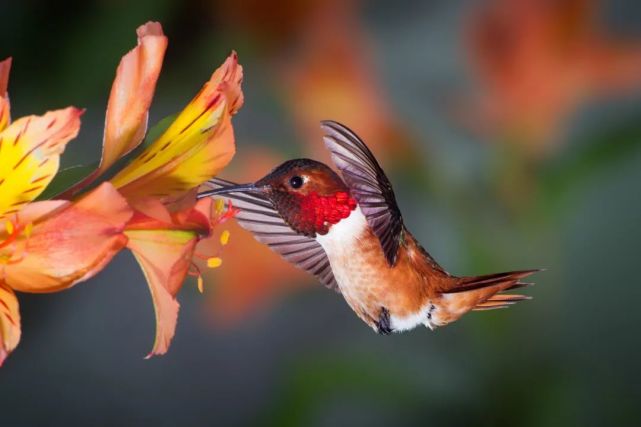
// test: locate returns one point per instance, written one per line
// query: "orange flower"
(158, 182)
(332, 74)
(537, 62)
(51, 245)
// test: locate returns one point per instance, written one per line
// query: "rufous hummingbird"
(349, 233)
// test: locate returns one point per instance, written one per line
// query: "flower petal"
(5, 67)
(165, 257)
(132, 93)
(9, 322)
(197, 145)
(30, 151)
(70, 243)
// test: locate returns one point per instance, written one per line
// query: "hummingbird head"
(309, 195)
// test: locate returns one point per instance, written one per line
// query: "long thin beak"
(240, 188)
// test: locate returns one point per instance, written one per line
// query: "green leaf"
(66, 178)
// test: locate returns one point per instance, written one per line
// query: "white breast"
(341, 246)
(345, 233)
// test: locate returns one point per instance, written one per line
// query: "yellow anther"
(28, 229)
(200, 284)
(9, 227)
(224, 237)
(219, 206)
(214, 262)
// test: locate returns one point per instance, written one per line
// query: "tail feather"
(518, 285)
(511, 280)
(500, 301)
(483, 292)
(484, 306)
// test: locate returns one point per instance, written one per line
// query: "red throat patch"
(323, 211)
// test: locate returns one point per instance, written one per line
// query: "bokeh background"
(512, 133)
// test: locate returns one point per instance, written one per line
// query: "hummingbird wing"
(368, 184)
(257, 214)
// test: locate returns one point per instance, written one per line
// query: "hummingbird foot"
(383, 325)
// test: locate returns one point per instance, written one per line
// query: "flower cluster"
(148, 206)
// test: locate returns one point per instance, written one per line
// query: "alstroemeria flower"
(537, 62)
(50, 245)
(159, 182)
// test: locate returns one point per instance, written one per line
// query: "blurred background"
(512, 133)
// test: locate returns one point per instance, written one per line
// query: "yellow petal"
(132, 93)
(9, 322)
(195, 147)
(30, 151)
(5, 67)
(165, 257)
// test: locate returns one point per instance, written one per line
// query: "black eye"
(296, 181)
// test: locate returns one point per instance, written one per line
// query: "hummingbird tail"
(483, 292)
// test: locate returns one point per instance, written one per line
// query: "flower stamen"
(214, 262)
(14, 230)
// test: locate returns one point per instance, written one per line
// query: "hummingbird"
(348, 231)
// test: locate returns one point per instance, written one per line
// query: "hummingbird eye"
(296, 181)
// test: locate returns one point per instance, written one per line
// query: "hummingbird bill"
(348, 231)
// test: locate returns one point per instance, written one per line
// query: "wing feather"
(257, 214)
(368, 185)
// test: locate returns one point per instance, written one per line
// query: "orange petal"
(165, 257)
(69, 241)
(195, 147)
(9, 322)
(156, 216)
(150, 208)
(30, 151)
(131, 94)
(5, 67)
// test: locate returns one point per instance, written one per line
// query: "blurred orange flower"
(332, 75)
(50, 245)
(538, 61)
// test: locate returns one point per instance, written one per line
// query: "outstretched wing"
(368, 184)
(257, 214)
